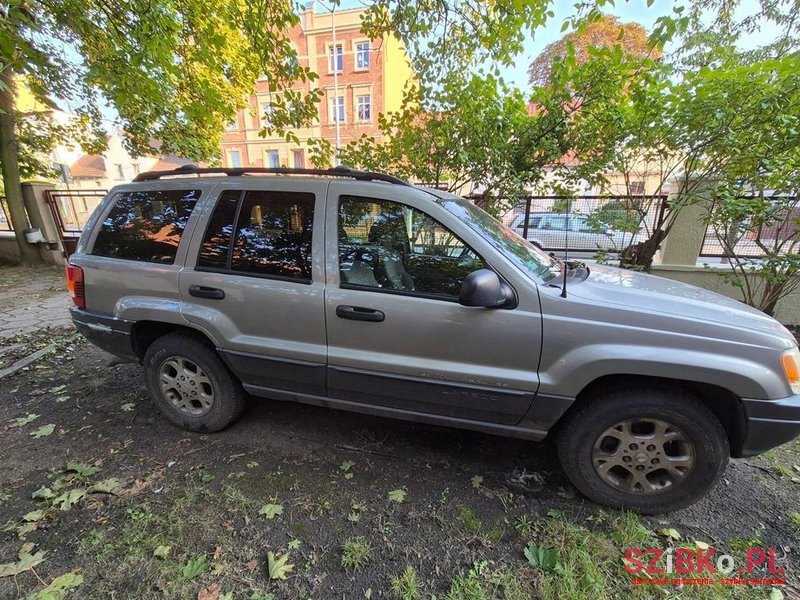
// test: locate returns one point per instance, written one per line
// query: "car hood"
(639, 291)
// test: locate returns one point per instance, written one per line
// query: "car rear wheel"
(191, 385)
(649, 450)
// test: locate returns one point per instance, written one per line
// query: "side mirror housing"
(484, 288)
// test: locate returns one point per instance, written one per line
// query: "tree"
(175, 72)
(474, 135)
(605, 32)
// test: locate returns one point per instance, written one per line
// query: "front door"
(254, 281)
(397, 336)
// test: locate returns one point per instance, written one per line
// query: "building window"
(636, 188)
(266, 114)
(136, 168)
(337, 109)
(298, 159)
(235, 159)
(120, 171)
(364, 108)
(233, 125)
(273, 159)
(336, 58)
(362, 56)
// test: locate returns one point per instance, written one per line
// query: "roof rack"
(340, 171)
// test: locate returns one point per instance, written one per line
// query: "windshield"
(521, 252)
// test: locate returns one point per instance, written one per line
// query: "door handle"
(359, 313)
(201, 291)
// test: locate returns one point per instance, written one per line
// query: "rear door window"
(146, 226)
(271, 236)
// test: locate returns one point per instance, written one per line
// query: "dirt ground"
(125, 505)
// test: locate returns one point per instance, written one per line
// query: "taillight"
(75, 285)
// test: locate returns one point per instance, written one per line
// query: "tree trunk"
(11, 179)
(640, 256)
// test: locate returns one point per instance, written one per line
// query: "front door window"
(386, 245)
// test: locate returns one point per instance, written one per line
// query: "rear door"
(255, 278)
(397, 336)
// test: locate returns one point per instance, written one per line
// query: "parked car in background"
(358, 291)
(551, 230)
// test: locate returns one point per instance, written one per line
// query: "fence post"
(527, 217)
(685, 240)
(41, 217)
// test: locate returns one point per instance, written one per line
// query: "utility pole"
(335, 61)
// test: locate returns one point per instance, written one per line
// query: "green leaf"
(670, 533)
(21, 421)
(207, 478)
(477, 480)
(82, 469)
(398, 495)
(43, 493)
(277, 567)
(59, 587)
(129, 407)
(543, 558)
(27, 560)
(69, 499)
(195, 567)
(775, 594)
(271, 510)
(43, 431)
(162, 552)
(34, 516)
(112, 486)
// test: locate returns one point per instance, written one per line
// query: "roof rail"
(340, 171)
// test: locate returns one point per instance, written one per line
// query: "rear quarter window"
(145, 226)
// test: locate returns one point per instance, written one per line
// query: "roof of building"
(89, 166)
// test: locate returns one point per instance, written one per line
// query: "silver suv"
(357, 291)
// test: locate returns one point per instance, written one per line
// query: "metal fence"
(745, 240)
(5, 219)
(71, 208)
(586, 223)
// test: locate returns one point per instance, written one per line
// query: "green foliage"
(405, 585)
(277, 566)
(195, 567)
(543, 558)
(356, 553)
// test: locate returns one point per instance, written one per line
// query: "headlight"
(790, 361)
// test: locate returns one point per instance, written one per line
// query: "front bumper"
(108, 333)
(769, 423)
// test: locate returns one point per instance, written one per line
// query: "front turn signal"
(790, 361)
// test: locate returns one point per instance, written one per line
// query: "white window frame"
(359, 98)
(342, 112)
(295, 153)
(339, 55)
(362, 54)
(266, 109)
(231, 162)
(270, 154)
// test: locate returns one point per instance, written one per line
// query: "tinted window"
(392, 246)
(146, 226)
(273, 235)
(214, 250)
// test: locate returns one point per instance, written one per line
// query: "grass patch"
(355, 553)
(470, 520)
(405, 586)
(794, 519)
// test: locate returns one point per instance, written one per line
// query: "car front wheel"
(648, 450)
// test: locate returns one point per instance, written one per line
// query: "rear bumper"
(109, 333)
(770, 423)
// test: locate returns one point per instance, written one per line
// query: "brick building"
(371, 77)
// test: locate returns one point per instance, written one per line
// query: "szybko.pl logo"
(702, 566)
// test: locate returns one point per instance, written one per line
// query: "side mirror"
(484, 288)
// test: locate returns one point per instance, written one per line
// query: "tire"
(191, 385)
(687, 456)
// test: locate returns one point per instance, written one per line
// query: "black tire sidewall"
(698, 423)
(228, 395)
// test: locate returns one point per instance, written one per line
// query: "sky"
(628, 11)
